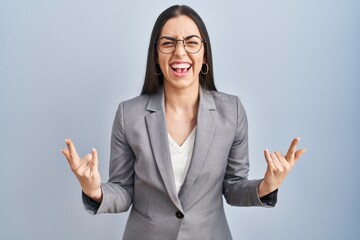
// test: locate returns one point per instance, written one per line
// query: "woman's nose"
(180, 48)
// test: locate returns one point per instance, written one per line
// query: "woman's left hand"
(278, 167)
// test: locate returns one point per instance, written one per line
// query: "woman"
(179, 146)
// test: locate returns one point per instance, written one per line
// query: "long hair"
(153, 80)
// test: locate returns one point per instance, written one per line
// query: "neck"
(181, 99)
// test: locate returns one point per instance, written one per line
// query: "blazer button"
(179, 215)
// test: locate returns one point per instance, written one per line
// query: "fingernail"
(61, 150)
(93, 149)
(66, 140)
(298, 138)
(266, 150)
(305, 150)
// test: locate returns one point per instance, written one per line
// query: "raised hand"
(278, 167)
(85, 170)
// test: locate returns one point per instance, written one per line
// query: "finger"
(87, 160)
(268, 159)
(72, 150)
(291, 152)
(73, 164)
(84, 165)
(276, 161)
(66, 154)
(299, 153)
(95, 160)
(281, 158)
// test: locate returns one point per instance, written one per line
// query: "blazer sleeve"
(237, 188)
(118, 191)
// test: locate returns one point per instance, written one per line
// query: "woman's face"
(180, 68)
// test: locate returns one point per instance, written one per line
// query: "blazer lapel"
(205, 129)
(156, 127)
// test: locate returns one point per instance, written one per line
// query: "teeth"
(181, 65)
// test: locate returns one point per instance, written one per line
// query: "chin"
(182, 83)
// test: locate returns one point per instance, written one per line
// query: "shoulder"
(140, 101)
(224, 100)
(132, 108)
(223, 97)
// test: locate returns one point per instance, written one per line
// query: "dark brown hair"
(153, 80)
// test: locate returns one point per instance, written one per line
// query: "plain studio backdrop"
(65, 66)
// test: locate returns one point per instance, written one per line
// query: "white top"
(181, 157)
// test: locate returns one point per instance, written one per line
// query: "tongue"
(181, 70)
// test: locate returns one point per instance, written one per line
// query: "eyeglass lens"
(192, 44)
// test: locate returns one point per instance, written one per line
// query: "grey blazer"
(141, 171)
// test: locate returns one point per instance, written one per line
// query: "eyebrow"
(174, 39)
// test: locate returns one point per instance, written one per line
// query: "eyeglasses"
(192, 44)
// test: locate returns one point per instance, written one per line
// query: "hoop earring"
(207, 69)
(157, 67)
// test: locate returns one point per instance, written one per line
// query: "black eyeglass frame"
(183, 43)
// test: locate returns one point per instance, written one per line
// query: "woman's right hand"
(86, 170)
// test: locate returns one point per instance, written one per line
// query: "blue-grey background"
(65, 65)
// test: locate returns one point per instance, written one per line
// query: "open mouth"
(181, 67)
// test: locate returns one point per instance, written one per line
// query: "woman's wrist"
(95, 195)
(264, 189)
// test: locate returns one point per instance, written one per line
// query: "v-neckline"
(180, 147)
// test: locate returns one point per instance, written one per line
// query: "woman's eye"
(168, 44)
(192, 43)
